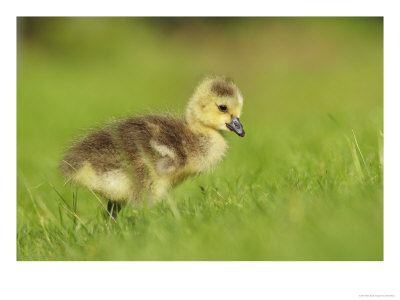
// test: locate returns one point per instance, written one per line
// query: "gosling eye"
(222, 108)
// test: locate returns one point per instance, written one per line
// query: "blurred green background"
(304, 184)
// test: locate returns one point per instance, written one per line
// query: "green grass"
(305, 183)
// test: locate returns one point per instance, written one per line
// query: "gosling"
(142, 157)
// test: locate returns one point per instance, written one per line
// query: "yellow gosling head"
(216, 104)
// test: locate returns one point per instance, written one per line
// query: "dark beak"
(236, 126)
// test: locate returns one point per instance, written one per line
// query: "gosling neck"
(199, 127)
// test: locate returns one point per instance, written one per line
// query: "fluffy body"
(150, 154)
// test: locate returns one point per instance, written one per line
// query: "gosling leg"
(113, 208)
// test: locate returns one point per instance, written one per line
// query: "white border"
(198, 280)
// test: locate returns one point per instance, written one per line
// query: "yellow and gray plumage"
(152, 153)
